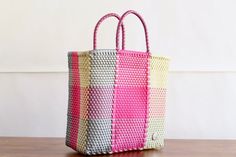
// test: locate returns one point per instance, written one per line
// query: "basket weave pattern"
(108, 101)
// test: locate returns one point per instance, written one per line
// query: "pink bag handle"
(99, 23)
(121, 22)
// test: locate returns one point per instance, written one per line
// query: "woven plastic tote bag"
(116, 97)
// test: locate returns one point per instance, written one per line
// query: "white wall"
(198, 36)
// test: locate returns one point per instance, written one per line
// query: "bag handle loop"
(120, 24)
(99, 23)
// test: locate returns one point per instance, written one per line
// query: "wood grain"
(55, 147)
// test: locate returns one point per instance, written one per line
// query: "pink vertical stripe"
(130, 101)
(75, 100)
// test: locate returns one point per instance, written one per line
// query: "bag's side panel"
(157, 97)
(100, 103)
(85, 71)
(130, 101)
(74, 101)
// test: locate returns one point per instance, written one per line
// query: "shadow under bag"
(116, 97)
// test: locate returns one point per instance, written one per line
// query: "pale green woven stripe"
(158, 79)
(156, 125)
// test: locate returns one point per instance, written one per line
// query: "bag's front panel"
(130, 101)
(158, 78)
(101, 89)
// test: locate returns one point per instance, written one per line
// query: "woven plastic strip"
(130, 101)
(157, 97)
(99, 104)
(74, 101)
(131, 96)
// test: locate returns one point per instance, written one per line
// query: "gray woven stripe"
(102, 67)
(102, 77)
(99, 136)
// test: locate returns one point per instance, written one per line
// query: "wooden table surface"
(55, 147)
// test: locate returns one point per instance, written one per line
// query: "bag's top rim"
(112, 52)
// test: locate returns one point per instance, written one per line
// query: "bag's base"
(86, 152)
